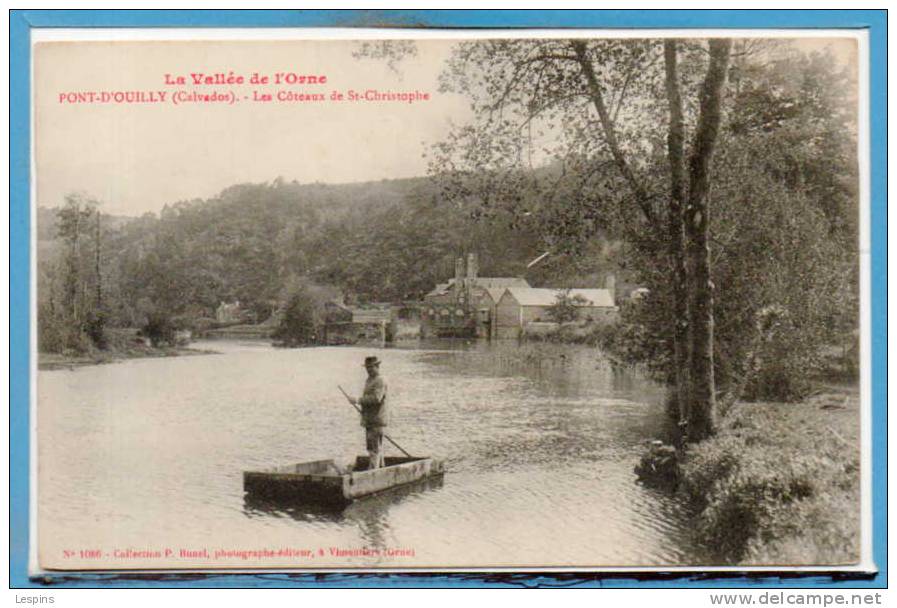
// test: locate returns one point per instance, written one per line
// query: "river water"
(140, 462)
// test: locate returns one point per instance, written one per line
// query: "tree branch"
(629, 75)
(610, 136)
(518, 72)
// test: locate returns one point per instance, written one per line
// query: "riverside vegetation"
(780, 482)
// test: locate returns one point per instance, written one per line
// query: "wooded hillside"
(391, 240)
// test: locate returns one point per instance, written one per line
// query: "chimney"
(472, 267)
(610, 284)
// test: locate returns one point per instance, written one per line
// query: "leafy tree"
(72, 308)
(775, 244)
(302, 316)
(565, 308)
(567, 138)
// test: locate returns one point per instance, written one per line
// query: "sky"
(135, 158)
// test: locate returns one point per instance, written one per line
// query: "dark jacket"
(374, 410)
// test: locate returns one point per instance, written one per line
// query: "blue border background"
(21, 22)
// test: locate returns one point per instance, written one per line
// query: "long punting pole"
(357, 409)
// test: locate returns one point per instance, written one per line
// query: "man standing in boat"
(374, 411)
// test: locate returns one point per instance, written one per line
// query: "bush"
(95, 328)
(767, 491)
(743, 504)
(565, 307)
(707, 463)
(659, 466)
(633, 338)
(57, 333)
(51, 332)
(160, 329)
(302, 319)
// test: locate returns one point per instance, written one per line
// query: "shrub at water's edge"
(121, 344)
(303, 313)
(779, 484)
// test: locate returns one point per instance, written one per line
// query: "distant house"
(465, 305)
(638, 293)
(336, 312)
(406, 320)
(372, 313)
(229, 312)
(519, 306)
(357, 325)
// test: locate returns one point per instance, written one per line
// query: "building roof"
(500, 282)
(440, 289)
(538, 296)
(495, 293)
(494, 285)
(369, 315)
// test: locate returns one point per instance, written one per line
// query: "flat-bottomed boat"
(324, 482)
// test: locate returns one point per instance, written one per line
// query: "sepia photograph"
(410, 301)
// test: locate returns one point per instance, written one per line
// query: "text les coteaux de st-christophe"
(229, 88)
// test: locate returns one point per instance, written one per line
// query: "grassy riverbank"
(121, 346)
(780, 482)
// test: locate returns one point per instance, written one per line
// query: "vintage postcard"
(382, 300)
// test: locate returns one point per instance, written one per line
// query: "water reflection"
(369, 515)
(540, 442)
(622, 378)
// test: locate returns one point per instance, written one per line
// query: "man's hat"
(368, 361)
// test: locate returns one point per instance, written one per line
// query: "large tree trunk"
(676, 235)
(702, 419)
(688, 249)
